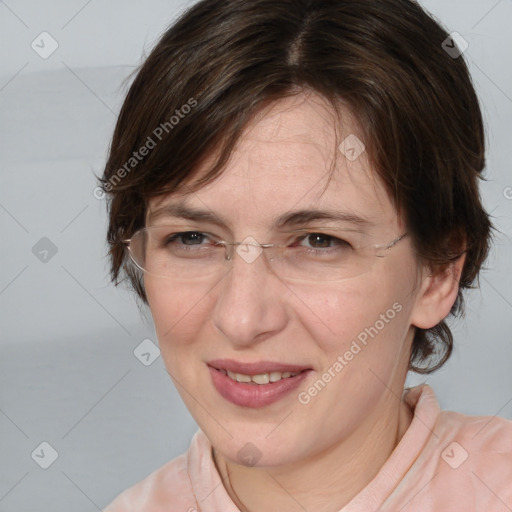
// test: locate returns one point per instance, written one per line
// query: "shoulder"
(464, 462)
(479, 435)
(167, 488)
(472, 460)
(489, 436)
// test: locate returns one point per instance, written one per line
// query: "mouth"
(257, 373)
(260, 378)
(255, 384)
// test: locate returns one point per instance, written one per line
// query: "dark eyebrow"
(306, 216)
(293, 218)
(182, 211)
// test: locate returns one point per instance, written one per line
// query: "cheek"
(177, 311)
(365, 319)
(341, 313)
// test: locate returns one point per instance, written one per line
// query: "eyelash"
(334, 240)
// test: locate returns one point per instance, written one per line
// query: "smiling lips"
(255, 384)
(261, 378)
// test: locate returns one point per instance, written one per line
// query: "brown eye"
(318, 241)
(322, 241)
(186, 238)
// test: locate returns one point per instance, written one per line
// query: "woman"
(294, 193)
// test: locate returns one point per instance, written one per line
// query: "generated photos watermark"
(355, 348)
(151, 142)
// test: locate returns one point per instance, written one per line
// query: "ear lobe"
(437, 294)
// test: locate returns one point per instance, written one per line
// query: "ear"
(437, 293)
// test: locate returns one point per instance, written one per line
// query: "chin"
(252, 446)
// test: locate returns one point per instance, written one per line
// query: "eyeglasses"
(179, 253)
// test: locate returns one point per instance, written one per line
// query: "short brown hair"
(227, 59)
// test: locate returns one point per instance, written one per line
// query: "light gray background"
(68, 372)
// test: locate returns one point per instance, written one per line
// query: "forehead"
(290, 157)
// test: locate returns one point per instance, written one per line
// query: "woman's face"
(351, 337)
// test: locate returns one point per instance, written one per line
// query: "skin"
(314, 456)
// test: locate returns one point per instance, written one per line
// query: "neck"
(327, 481)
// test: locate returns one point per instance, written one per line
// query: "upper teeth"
(262, 378)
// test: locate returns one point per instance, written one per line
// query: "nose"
(250, 305)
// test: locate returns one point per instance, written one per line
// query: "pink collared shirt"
(445, 461)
